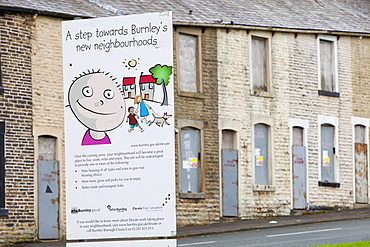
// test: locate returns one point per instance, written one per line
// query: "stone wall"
(47, 93)
(307, 104)
(16, 111)
(294, 95)
(201, 211)
(360, 58)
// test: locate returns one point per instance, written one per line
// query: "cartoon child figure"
(97, 103)
(143, 108)
(132, 120)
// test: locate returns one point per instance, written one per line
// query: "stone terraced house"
(271, 95)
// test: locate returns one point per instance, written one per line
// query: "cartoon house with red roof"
(129, 87)
(147, 86)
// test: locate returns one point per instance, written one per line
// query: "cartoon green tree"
(162, 76)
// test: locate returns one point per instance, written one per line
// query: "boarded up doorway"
(48, 188)
(299, 170)
(361, 165)
(229, 174)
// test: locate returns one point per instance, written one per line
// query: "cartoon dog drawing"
(160, 121)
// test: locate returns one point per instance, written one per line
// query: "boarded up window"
(327, 65)
(360, 134)
(228, 139)
(261, 153)
(297, 136)
(259, 63)
(190, 151)
(47, 148)
(188, 62)
(327, 153)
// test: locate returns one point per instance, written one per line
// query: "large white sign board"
(119, 126)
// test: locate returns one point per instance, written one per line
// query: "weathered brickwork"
(47, 92)
(16, 111)
(47, 72)
(237, 104)
(202, 211)
(306, 104)
(294, 95)
(360, 58)
(360, 76)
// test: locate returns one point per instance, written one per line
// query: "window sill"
(192, 195)
(191, 94)
(329, 93)
(262, 93)
(264, 188)
(329, 184)
(3, 212)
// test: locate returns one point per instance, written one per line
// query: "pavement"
(243, 225)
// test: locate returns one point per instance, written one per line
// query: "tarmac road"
(243, 225)
(307, 235)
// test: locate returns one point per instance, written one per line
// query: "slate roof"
(323, 15)
(328, 15)
(73, 8)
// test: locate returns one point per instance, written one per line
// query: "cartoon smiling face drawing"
(98, 104)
